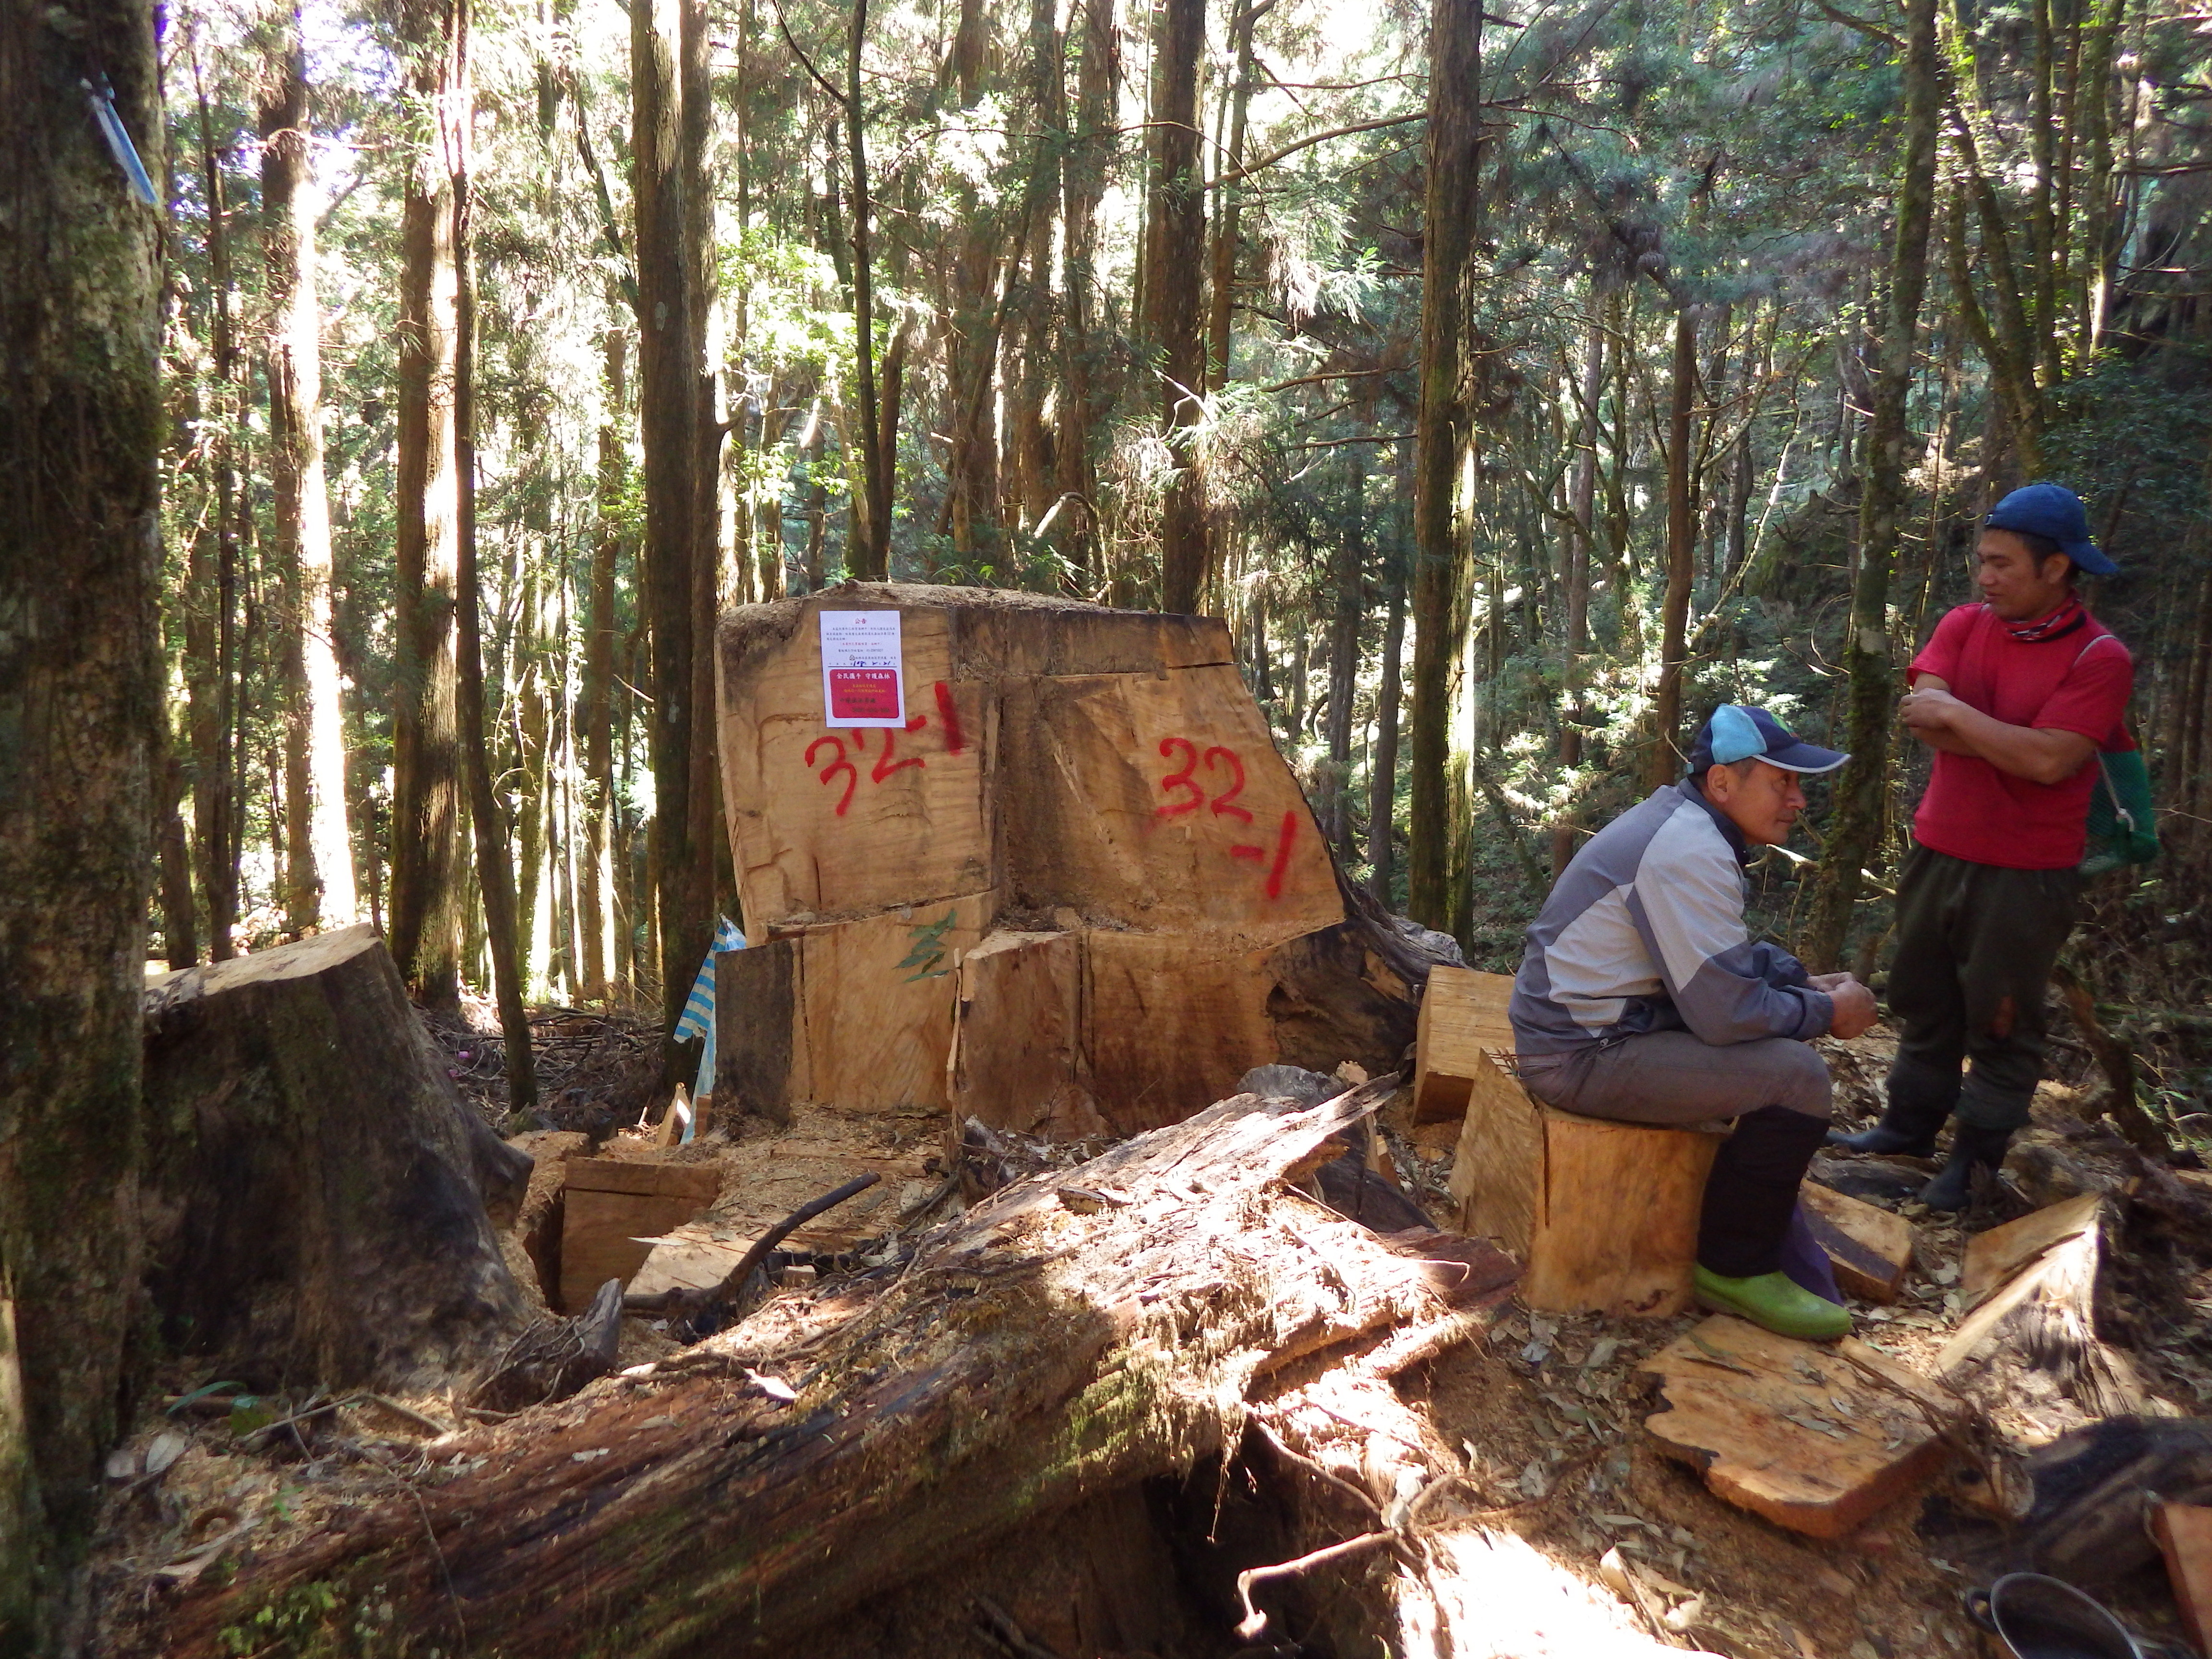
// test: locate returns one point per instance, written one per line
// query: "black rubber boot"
(1918, 1100)
(1753, 1191)
(1972, 1149)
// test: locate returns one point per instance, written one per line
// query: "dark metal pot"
(2040, 1617)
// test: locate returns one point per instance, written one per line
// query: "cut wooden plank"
(1604, 1214)
(1814, 1437)
(760, 1044)
(600, 1233)
(1463, 1022)
(1170, 1023)
(2034, 1340)
(1995, 1256)
(1869, 1248)
(644, 1179)
(1159, 800)
(2184, 1532)
(1017, 1061)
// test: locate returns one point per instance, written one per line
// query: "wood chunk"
(759, 1037)
(1869, 1248)
(2035, 1340)
(610, 1205)
(686, 1259)
(2184, 1532)
(1815, 1437)
(877, 996)
(1995, 1256)
(1462, 1022)
(317, 1194)
(1605, 1214)
(640, 1178)
(1017, 1060)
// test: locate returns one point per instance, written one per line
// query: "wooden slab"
(1463, 1022)
(1995, 1256)
(2034, 1338)
(878, 997)
(642, 1179)
(2184, 1532)
(1159, 800)
(759, 1031)
(1169, 1024)
(1604, 1214)
(1869, 1248)
(1018, 1058)
(1796, 1431)
(600, 1235)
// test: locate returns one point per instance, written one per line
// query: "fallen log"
(1077, 1332)
(315, 1204)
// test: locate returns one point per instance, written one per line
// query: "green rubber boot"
(1774, 1301)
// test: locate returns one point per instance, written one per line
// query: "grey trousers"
(1672, 1077)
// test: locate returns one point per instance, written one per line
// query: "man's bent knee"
(1802, 1074)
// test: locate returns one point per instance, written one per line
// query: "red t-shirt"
(2078, 682)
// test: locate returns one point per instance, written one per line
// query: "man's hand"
(1855, 1010)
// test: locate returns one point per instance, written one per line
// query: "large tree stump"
(315, 1199)
(1077, 1333)
(1099, 776)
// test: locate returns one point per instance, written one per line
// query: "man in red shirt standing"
(2015, 694)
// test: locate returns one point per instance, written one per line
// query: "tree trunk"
(1228, 196)
(1348, 609)
(727, 1517)
(668, 406)
(1582, 545)
(80, 700)
(1443, 459)
(1855, 830)
(495, 868)
(1175, 253)
(426, 808)
(870, 560)
(595, 881)
(1098, 79)
(319, 850)
(1382, 769)
(1664, 759)
(180, 936)
(318, 1208)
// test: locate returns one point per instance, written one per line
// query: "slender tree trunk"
(668, 401)
(1097, 77)
(218, 748)
(495, 868)
(1382, 769)
(1582, 545)
(1443, 459)
(594, 881)
(870, 560)
(1228, 197)
(80, 701)
(1175, 252)
(1348, 610)
(426, 847)
(1664, 759)
(319, 853)
(1855, 831)
(180, 945)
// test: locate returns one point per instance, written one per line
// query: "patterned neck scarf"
(2060, 622)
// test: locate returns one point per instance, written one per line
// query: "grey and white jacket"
(1644, 932)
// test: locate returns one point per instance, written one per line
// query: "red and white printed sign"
(863, 679)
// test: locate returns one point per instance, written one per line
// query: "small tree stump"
(317, 1202)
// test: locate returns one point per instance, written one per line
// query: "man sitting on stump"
(1642, 998)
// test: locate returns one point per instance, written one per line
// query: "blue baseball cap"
(2054, 513)
(1736, 733)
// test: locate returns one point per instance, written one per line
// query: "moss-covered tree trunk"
(1175, 256)
(81, 425)
(1856, 832)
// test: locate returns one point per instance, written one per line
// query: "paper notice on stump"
(863, 680)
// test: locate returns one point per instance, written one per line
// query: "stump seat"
(1603, 1214)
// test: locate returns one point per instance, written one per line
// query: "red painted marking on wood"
(1176, 780)
(949, 712)
(884, 767)
(1282, 854)
(1222, 803)
(841, 764)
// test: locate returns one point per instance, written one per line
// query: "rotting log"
(1079, 1331)
(316, 1193)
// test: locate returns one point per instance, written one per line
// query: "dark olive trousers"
(1975, 947)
